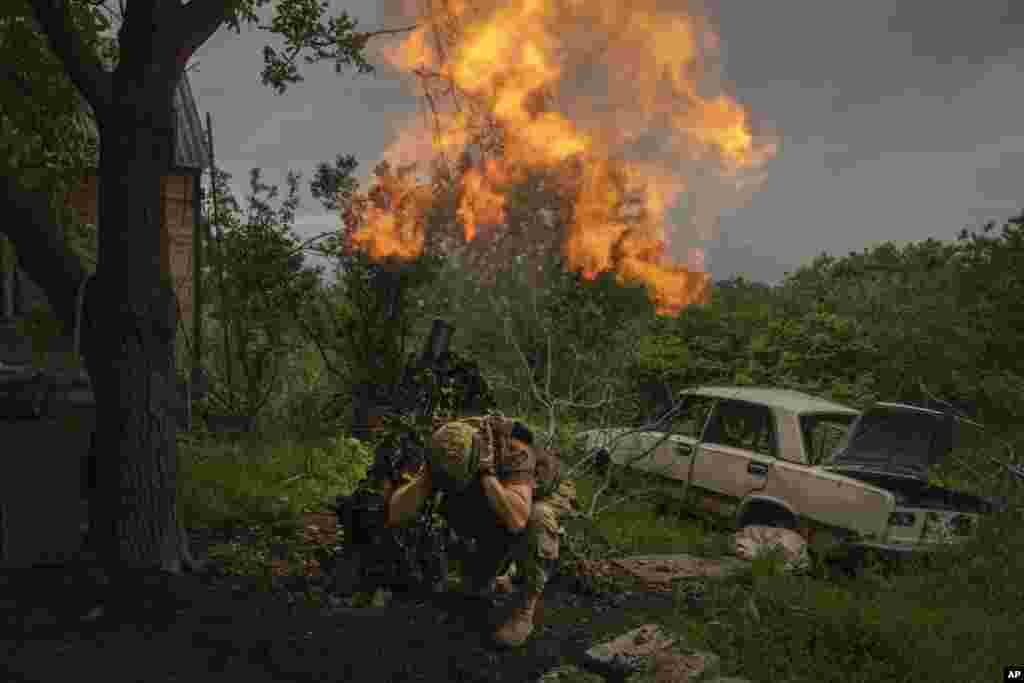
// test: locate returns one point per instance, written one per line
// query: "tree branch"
(194, 23)
(83, 67)
(312, 335)
(390, 31)
(304, 246)
(41, 248)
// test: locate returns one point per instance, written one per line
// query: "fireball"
(621, 103)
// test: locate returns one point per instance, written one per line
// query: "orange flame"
(633, 82)
(482, 202)
(394, 227)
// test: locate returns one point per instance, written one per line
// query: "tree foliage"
(48, 136)
(912, 322)
(258, 281)
(129, 322)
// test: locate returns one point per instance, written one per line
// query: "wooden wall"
(84, 199)
(177, 226)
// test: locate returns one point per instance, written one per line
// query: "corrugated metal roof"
(190, 149)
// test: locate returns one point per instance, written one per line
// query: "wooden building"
(180, 211)
(47, 418)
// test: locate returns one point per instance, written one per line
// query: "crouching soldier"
(506, 495)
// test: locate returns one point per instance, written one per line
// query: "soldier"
(503, 492)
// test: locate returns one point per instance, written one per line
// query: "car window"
(886, 438)
(655, 402)
(823, 434)
(692, 415)
(742, 425)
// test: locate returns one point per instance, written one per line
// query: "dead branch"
(389, 31)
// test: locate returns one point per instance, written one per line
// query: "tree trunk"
(129, 342)
(7, 294)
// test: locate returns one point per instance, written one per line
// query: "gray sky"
(898, 120)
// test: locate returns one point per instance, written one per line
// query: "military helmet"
(453, 457)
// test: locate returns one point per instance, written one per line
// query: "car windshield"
(823, 433)
(894, 440)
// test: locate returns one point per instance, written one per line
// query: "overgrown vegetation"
(909, 323)
(913, 322)
(900, 323)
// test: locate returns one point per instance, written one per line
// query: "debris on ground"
(625, 653)
(755, 540)
(570, 673)
(649, 654)
(320, 528)
(660, 572)
(678, 667)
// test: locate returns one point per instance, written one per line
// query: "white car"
(893, 446)
(783, 458)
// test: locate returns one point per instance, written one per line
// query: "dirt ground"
(210, 627)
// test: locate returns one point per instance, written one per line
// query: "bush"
(250, 481)
(952, 619)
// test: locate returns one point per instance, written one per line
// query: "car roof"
(784, 399)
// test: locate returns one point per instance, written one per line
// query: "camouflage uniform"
(455, 456)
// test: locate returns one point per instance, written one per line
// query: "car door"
(816, 496)
(736, 454)
(673, 441)
(632, 446)
(793, 478)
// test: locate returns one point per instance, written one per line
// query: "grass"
(958, 619)
(635, 527)
(240, 482)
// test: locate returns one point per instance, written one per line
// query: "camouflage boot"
(519, 624)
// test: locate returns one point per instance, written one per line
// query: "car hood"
(896, 439)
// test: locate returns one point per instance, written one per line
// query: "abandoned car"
(894, 446)
(763, 456)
